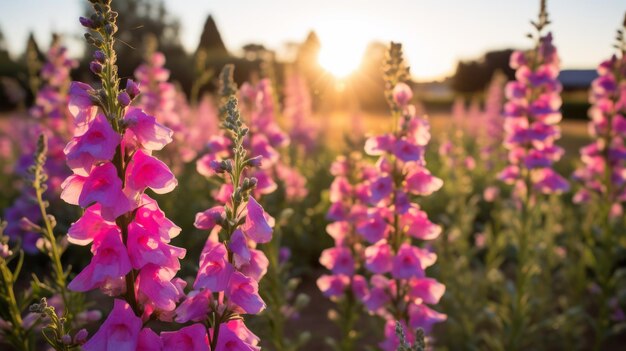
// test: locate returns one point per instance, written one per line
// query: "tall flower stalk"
(531, 129)
(348, 197)
(111, 159)
(226, 286)
(393, 222)
(603, 178)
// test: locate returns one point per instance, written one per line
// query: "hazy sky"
(435, 33)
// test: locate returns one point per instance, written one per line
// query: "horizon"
(583, 31)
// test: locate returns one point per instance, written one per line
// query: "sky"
(435, 33)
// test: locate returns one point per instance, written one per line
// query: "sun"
(339, 54)
(338, 60)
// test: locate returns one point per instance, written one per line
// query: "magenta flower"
(243, 292)
(230, 340)
(103, 187)
(192, 338)
(149, 134)
(338, 259)
(89, 226)
(215, 271)
(148, 341)
(333, 285)
(110, 261)
(257, 225)
(98, 143)
(378, 258)
(144, 171)
(81, 104)
(422, 182)
(120, 331)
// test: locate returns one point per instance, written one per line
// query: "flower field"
(248, 210)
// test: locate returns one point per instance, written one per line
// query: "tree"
(211, 40)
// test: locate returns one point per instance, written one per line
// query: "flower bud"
(99, 56)
(81, 336)
(255, 161)
(66, 339)
(95, 67)
(4, 251)
(86, 22)
(132, 88)
(123, 98)
(402, 94)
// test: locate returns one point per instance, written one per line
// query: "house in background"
(574, 80)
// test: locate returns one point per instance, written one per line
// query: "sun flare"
(339, 54)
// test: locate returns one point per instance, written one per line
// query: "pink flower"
(103, 186)
(340, 189)
(262, 147)
(81, 104)
(97, 144)
(421, 316)
(333, 285)
(229, 340)
(338, 259)
(381, 188)
(89, 226)
(418, 225)
(407, 151)
(209, 218)
(374, 228)
(144, 171)
(242, 332)
(215, 270)
(422, 182)
(244, 292)
(256, 226)
(146, 247)
(378, 258)
(257, 266)
(428, 290)
(192, 338)
(151, 217)
(410, 261)
(110, 261)
(402, 94)
(238, 245)
(149, 341)
(119, 332)
(156, 287)
(338, 231)
(150, 134)
(195, 306)
(548, 181)
(380, 292)
(376, 146)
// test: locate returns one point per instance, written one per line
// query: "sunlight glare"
(339, 54)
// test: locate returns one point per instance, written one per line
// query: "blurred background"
(454, 47)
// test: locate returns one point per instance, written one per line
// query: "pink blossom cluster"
(230, 268)
(112, 164)
(128, 231)
(603, 172)
(266, 138)
(50, 112)
(158, 96)
(532, 115)
(348, 206)
(161, 98)
(298, 111)
(396, 287)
